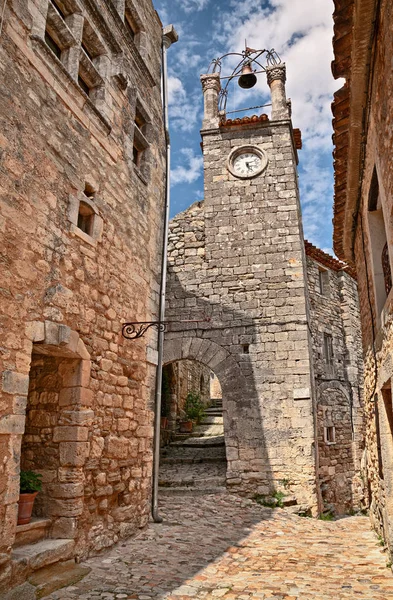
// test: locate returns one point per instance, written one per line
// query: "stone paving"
(222, 546)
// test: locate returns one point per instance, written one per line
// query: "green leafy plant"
(326, 516)
(194, 407)
(30, 482)
(273, 501)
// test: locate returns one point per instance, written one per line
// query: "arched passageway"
(192, 428)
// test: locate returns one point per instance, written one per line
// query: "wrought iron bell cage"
(249, 58)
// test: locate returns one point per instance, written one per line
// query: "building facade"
(82, 185)
(363, 228)
(237, 263)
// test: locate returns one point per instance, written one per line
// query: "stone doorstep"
(37, 529)
(32, 557)
(47, 580)
(52, 578)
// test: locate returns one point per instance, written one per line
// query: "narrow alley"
(221, 546)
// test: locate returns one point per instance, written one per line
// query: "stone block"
(70, 434)
(19, 405)
(65, 507)
(64, 528)
(73, 453)
(15, 383)
(75, 396)
(35, 331)
(12, 424)
(301, 393)
(65, 490)
(117, 447)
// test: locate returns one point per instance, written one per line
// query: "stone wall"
(67, 288)
(363, 221)
(334, 313)
(238, 259)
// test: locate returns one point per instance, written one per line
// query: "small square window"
(246, 348)
(85, 218)
(328, 348)
(323, 279)
(330, 434)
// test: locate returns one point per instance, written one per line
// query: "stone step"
(203, 482)
(212, 420)
(43, 553)
(213, 413)
(52, 578)
(179, 460)
(36, 530)
(198, 442)
(194, 491)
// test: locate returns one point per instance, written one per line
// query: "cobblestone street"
(221, 546)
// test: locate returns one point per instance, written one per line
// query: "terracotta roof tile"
(243, 121)
(326, 260)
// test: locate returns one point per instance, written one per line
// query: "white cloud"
(184, 108)
(191, 5)
(190, 170)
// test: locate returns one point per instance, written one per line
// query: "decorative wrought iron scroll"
(137, 329)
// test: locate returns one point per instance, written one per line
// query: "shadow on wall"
(225, 345)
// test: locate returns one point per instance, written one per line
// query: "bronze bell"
(247, 79)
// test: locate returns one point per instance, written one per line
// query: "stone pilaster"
(276, 77)
(211, 87)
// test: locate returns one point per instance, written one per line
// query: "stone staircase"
(196, 463)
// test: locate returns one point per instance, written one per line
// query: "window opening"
(330, 434)
(387, 275)
(246, 348)
(85, 218)
(59, 10)
(328, 348)
(378, 435)
(131, 28)
(378, 245)
(82, 84)
(323, 276)
(50, 42)
(86, 51)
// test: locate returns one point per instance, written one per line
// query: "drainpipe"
(169, 37)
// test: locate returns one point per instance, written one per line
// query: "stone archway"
(233, 383)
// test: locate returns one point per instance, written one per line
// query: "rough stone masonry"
(82, 171)
(238, 259)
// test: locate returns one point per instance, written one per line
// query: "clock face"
(247, 164)
(246, 161)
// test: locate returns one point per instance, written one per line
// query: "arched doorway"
(193, 444)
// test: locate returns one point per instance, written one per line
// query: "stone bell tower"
(255, 248)
(238, 258)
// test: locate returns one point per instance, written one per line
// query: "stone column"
(276, 77)
(211, 86)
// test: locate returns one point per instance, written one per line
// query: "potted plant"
(194, 411)
(30, 485)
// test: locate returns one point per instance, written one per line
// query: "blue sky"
(301, 32)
